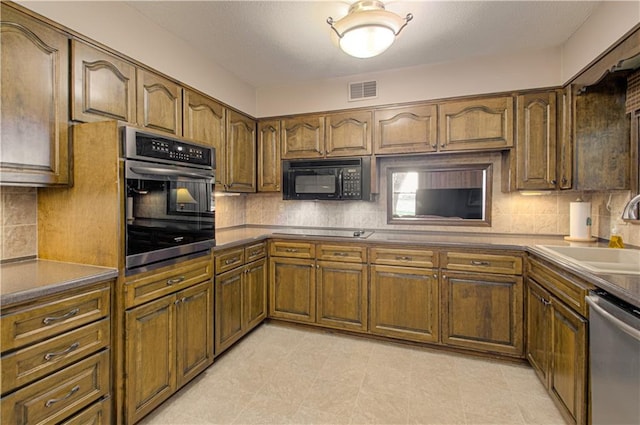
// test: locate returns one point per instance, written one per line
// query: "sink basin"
(599, 260)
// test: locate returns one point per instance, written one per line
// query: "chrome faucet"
(630, 211)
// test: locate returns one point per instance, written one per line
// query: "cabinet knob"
(564, 180)
(554, 181)
(50, 320)
(71, 348)
(53, 401)
(480, 263)
(317, 266)
(175, 280)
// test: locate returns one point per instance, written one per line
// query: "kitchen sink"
(597, 259)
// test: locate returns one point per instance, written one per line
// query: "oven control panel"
(148, 146)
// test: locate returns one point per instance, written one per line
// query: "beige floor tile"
(262, 409)
(435, 411)
(373, 407)
(338, 398)
(306, 416)
(539, 410)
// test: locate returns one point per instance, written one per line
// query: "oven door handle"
(161, 171)
(624, 327)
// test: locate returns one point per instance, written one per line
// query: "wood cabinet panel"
(150, 347)
(404, 303)
(241, 153)
(292, 292)
(34, 67)
(292, 249)
(479, 262)
(536, 147)
(342, 295)
(303, 137)
(485, 123)
(228, 309)
(52, 399)
(269, 166)
(348, 134)
(255, 251)
(568, 377)
(341, 252)
(104, 86)
(409, 129)
(565, 138)
(97, 413)
(255, 294)
(403, 257)
(194, 335)
(159, 103)
(538, 340)
(229, 259)
(483, 312)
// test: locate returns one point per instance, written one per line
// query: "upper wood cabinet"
(269, 166)
(333, 135)
(536, 146)
(159, 103)
(204, 120)
(476, 124)
(410, 129)
(104, 86)
(241, 153)
(34, 65)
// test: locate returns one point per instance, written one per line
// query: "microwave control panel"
(351, 183)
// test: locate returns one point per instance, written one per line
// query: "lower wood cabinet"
(404, 302)
(483, 312)
(557, 349)
(167, 342)
(292, 289)
(341, 290)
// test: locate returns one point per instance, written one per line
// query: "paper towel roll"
(580, 220)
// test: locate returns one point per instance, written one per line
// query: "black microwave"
(331, 179)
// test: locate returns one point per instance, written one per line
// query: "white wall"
(606, 25)
(124, 29)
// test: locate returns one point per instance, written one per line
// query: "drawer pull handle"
(175, 280)
(404, 258)
(256, 252)
(291, 250)
(71, 348)
(341, 254)
(53, 401)
(480, 263)
(50, 320)
(231, 261)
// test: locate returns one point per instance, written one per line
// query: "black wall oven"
(169, 206)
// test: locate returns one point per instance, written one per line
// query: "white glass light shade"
(367, 30)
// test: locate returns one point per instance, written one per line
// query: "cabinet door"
(150, 347)
(159, 104)
(568, 375)
(292, 293)
(104, 87)
(342, 295)
(255, 294)
(565, 138)
(539, 330)
(34, 93)
(269, 167)
(348, 134)
(241, 153)
(536, 147)
(194, 336)
(204, 121)
(409, 129)
(303, 137)
(483, 312)
(476, 124)
(228, 309)
(404, 303)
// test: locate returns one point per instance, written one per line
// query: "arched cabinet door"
(34, 67)
(104, 86)
(159, 103)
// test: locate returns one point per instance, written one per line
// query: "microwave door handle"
(340, 184)
(160, 171)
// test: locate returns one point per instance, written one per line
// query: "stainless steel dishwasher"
(614, 358)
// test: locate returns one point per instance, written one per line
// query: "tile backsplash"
(19, 215)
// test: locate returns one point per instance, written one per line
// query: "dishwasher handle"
(624, 327)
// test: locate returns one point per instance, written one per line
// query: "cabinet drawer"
(344, 253)
(229, 259)
(151, 285)
(97, 413)
(255, 252)
(292, 249)
(60, 395)
(571, 290)
(28, 364)
(482, 263)
(51, 318)
(403, 257)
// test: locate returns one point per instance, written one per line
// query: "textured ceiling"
(267, 43)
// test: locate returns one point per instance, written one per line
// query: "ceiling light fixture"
(368, 29)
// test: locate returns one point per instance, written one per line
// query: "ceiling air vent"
(363, 90)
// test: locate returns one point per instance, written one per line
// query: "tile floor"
(284, 375)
